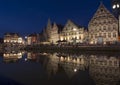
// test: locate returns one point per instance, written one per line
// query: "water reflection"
(85, 69)
(12, 56)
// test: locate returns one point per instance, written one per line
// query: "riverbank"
(52, 48)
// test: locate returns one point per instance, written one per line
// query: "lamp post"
(117, 7)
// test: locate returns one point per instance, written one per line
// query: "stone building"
(73, 33)
(32, 39)
(12, 38)
(51, 32)
(52, 35)
(103, 27)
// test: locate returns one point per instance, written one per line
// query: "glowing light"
(74, 29)
(75, 70)
(19, 57)
(118, 5)
(25, 37)
(25, 59)
(114, 6)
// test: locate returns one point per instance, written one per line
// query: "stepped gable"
(70, 24)
(102, 13)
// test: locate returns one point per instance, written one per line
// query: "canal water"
(30, 68)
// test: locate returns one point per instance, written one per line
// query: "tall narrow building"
(48, 30)
(103, 27)
(54, 36)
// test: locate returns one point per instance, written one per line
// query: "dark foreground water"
(59, 69)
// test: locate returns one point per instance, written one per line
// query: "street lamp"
(117, 7)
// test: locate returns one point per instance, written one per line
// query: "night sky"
(31, 16)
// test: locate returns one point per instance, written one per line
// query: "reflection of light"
(61, 58)
(19, 57)
(75, 70)
(25, 59)
(44, 53)
(4, 54)
(25, 37)
(19, 53)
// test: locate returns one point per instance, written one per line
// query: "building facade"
(103, 27)
(73, 33)
(12, 38)
(32, 39)
(51, 34)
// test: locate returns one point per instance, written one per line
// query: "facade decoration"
(103, 27)
(12, 38)
(73, 33)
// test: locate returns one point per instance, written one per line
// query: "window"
(109, 34)
(104, 35)
(104, 28)
(114, 34)
(79, 37)
(95, 35)
(114, 27)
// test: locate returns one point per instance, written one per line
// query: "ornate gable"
(48, 25)
(69, 25)
(55, 27)
(102, 13)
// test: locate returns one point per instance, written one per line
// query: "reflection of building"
(52, 65)
(73, 33)
(32, 56)
(12, 57)
(12, 38)
(104, 70)
(73, 63)
(103, 27)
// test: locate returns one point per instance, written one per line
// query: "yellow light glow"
(74, 29)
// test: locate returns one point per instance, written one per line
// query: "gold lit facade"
(52, 35)
(103, 27)
(73, 33)
(12, 38)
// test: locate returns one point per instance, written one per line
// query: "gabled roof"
(12, 34)
(70, 22)
(102, 12)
